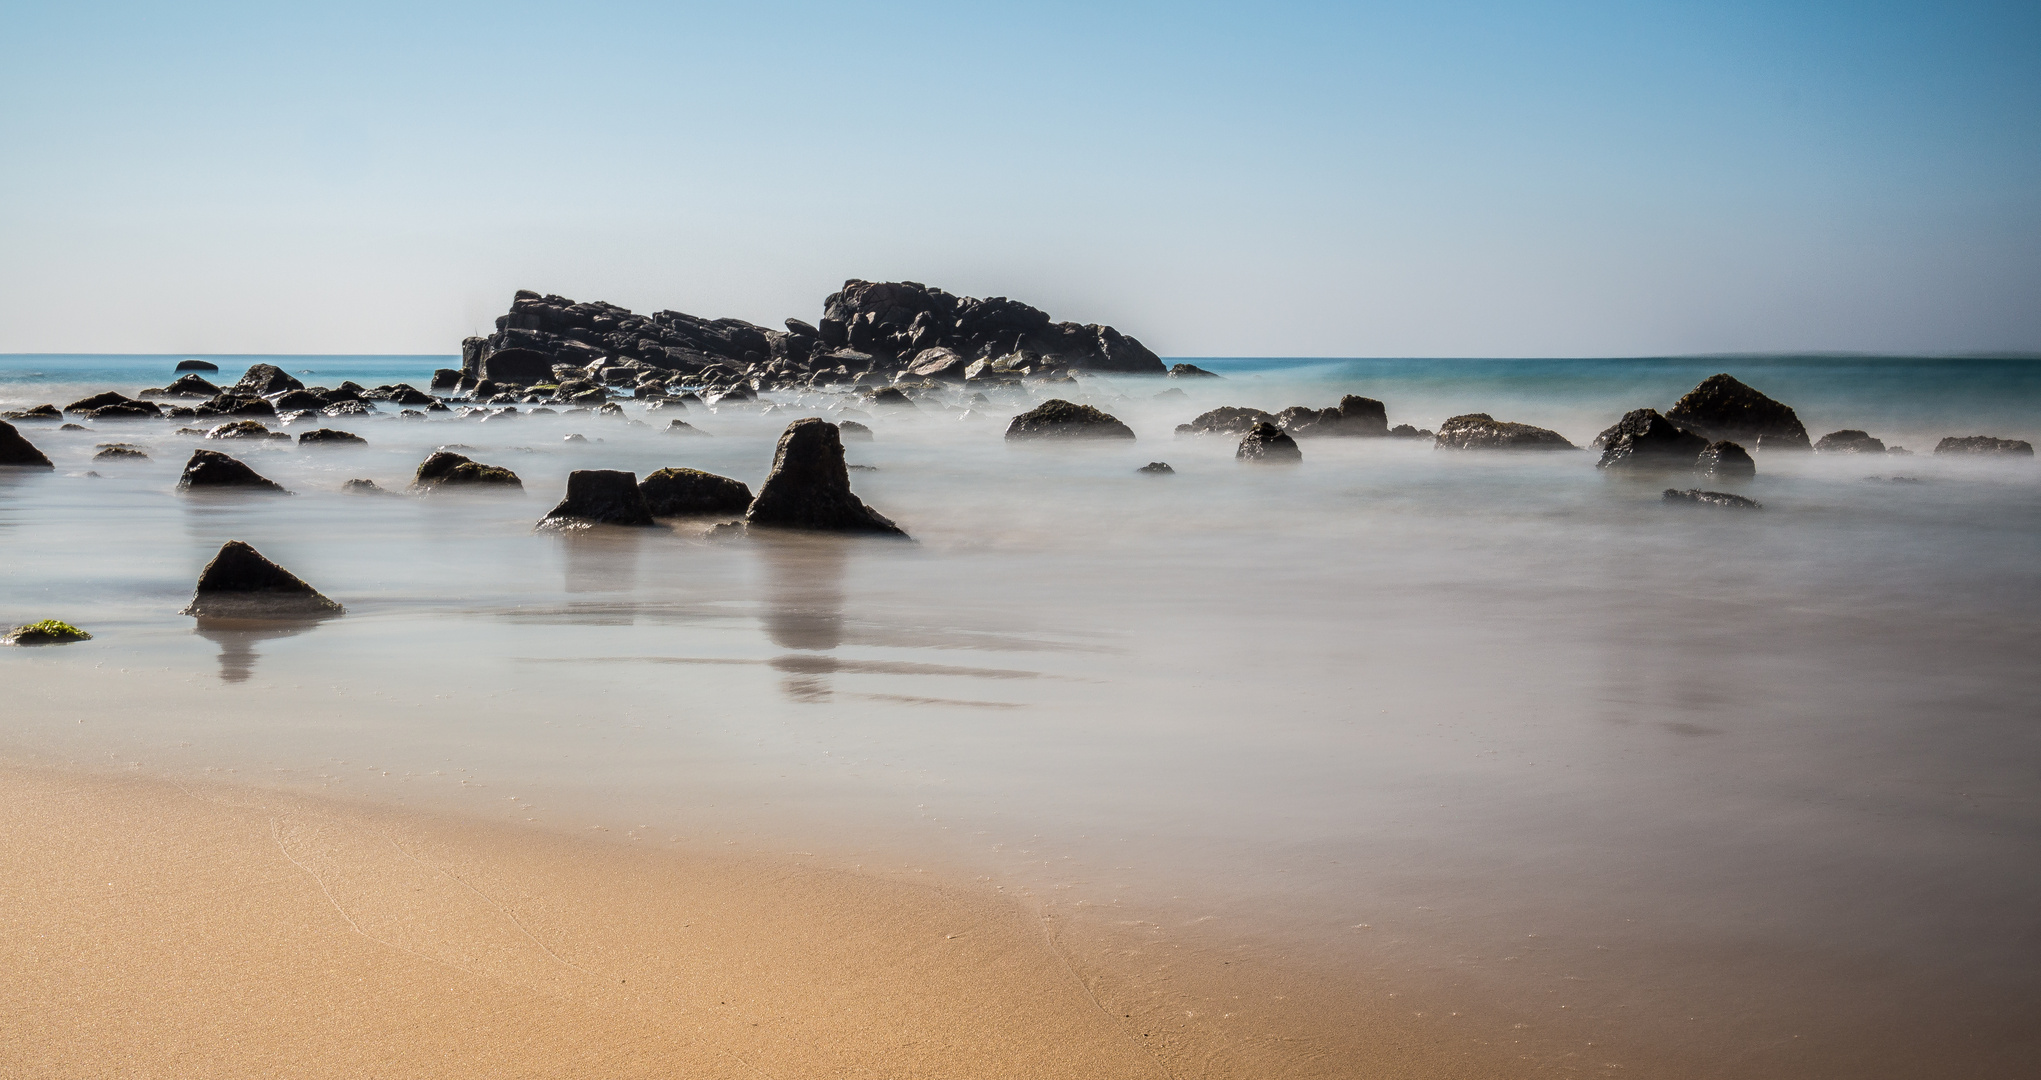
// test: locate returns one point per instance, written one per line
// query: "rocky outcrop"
(265, 379)
(39, 412)
(1725, 461)
(446, 378)
(1354, 417)
(188, 386)
(1192, 371)
(197, 365)
(1849, 441)
(1405, 431)
(331, 437)
(212, 469)
(1479, 431)
(1645, 440)
(809, 488)
(446, 469)
(1265, 442)
(1723, 408)
(1059, 419)
(600, 497)
(17, 452)
(941, 364)
(1719, 499)
(1985, 444)
(691, 492)
(239, 429)
(901, 318)
(1225, 420)
(240, 584)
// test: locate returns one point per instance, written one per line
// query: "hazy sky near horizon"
(1591, 178)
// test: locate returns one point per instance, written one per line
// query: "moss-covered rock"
(46, 632)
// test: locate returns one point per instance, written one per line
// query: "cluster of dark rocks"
(1353, 417)
(265, 391)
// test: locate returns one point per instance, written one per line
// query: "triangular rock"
(809, 487)
(240, 584)
(19, 452)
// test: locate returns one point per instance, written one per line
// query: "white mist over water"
(1716, 762)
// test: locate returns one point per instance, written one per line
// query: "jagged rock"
(1265, 442)
(239, 429)
(230, 403)
(1722, 499)
(330, 437)
(1479, 431)
(1355, 416)
(212, 469)
(1723, 408)
(1157, 467)
(446, 378)
(687, 492)
(682, 427)
(296, 401)
(1225, 420)
(1192, 371)
(1849, 441)
(40, 412)
(120, 451)
(17, 452)
(854, 431)
(600, 497)
(809, 488)
(1645, 440)
(46, 632)
(1059, 419)
(901, 318)
(197, 365)
(187, 386)
(939, 363)
(1985, 444)
(348, 408)
(889, 397)
(1405, 431)
(1725, 461)
(263, 380)
(240, 584)
(446, 469)
(521, 367)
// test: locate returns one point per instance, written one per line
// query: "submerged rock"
(1156, 467)
(1405, 431)
(1723, 408)
(331, 437)
(1645, 440)
(447, 469)
(40, 412)
(1354, 417)
(889, 397)
(212, 469)
(854, 431)
(1192, 371)
(46, 632)
(809, 488)
(682, 427)
(364, 487)
(1479, 431)
(1849, 441)
(689, 492)
(239, 429)
(1268, 443)
(197, 365)
(17, 452)
(600, 497)
(1225, 420)
(1722, 499)
(87, 405)
(240, 584)
(1059, 419)
(188, 386)
(1985, 444)
(117, 451)
(265, 379)
(1725, 461)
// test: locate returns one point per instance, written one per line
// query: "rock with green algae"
(46, 632)
(447, 469)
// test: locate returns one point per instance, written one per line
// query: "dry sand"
(150, 928)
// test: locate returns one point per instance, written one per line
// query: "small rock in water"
(1265, 442)
(1405, 431)
(1191, 371)
(240, 584)
(809, 488)
(1060, 419)
(854, 431)
(599, 497)
(18, 452)
(446, 469)
(264, 379)
(364, 487)
(1726, 461)
(687, 492)
(1723, 499)
(330, 437)
(210, 468)
(40, 412)
(239, 429)
(682, 427)
(1985, 444)
(74, 427)
(197, 365)
(1480, 431)
(1157, 467)
(575, 438)
(46, 632)
(1225, 420)
(1642, 439)
(116, 451)
(1849, 441)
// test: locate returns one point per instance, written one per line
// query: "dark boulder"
(682, 427)
(1405, 431)
(240, 584)
(197, 365)
(1225, 420)
(939, 363)
(89, 405)
(687, 492)
(212, 469)
(364, 487)
(1192, 371)
(297, 401)
(854, 431)
(888, 397)
(186, 386)
(600, 497)
(1479, 431)
(40, 412)
(1985, 444)
(447, 469)
(126, 410)
(398, 394)
(239, 429)
(446, 378)
(263, 380)
(1720, 499)
(809, 488)
(1354, 417)
(1059, 419)
(1725, 461)
(331, 437)
(230, 403)
(1156, 467)
(1723, 408)
(120, 451)
(17, 452)
(1645, 440)
(1849, 441)
(1265, 442)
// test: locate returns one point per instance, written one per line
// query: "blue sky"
(1273, 179)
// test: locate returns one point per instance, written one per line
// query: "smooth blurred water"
(1501, 715)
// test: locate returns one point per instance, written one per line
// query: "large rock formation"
(1985, 444)
(1479, 431)
(809, 487)
(212, 469)
(866, 324)
(17, 452)
(1059, 419)
(240, 584)
(446, 469)
(686, 492)
(1645, 440)
(1723, 408)
(600, 497)
(1355, 416)
(1265, 442)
